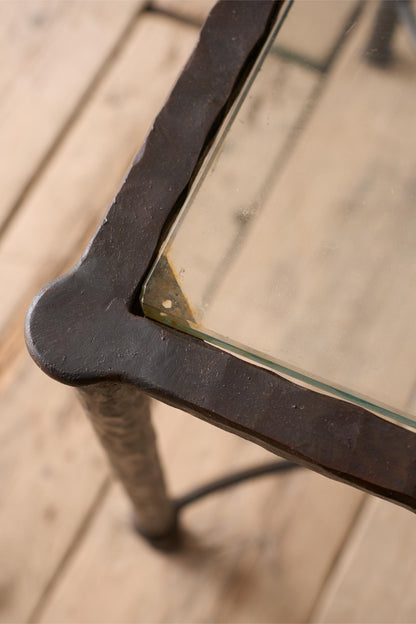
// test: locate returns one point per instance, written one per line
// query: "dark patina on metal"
(85, 328)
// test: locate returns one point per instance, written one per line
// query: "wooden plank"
(374, 579)
(313, 28)
(249, 555)
(310, 32)
(51, 470)
(51, 53)
(72, 195)
(194, 10)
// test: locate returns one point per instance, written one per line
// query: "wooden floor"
(79, 86)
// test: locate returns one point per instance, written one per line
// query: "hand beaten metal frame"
(84, 329)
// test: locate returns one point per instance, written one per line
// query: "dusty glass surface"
(297, 245)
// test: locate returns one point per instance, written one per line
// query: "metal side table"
(87, 328)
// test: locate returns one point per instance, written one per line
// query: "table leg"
(120, 415)
(378, 49)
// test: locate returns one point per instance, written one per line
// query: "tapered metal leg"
(407, 17)
(120, 415)
(379, 47)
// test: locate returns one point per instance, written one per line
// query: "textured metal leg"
(378, 50)
(407, 17)
(120, 415)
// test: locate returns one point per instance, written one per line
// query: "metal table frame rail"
(85, 329)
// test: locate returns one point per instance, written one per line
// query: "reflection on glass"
(297, 247)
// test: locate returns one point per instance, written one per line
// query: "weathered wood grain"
(52, 51)
(312, 29)
(195, 10)
(374, 580)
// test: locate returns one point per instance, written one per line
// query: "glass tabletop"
(296, 247)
